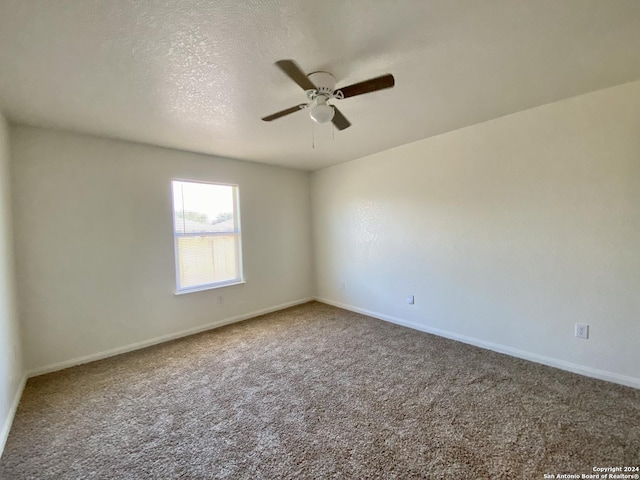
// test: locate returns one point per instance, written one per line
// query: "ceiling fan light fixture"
(322, 113)
(320, 87)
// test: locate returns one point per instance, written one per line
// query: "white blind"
(207, 234)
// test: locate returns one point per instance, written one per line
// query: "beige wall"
(95, 245)
(11, 370)
(507, 233)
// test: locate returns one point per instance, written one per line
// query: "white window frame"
(237, 233)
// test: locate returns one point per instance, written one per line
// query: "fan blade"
(368, 86)
(291, 69)
(284, 112)
(340, 120)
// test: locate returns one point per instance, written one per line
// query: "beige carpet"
(317, 392)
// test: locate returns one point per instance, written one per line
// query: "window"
(206, 230)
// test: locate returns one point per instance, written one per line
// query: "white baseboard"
(6, 427)
(514, 352)
(164, 338)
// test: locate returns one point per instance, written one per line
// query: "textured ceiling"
(199, 75)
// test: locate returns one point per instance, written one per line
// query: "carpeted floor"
(318, 392)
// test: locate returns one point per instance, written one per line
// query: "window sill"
(202, 288)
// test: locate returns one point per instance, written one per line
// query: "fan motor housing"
(325, 84)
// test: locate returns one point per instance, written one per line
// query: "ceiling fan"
(320, 88)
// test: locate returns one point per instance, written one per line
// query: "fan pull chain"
(313, 143)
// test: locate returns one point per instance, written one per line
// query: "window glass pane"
(203, 207)
(204, 260)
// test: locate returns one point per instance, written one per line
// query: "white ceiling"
(199, 75)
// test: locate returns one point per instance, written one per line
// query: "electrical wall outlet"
(410, 299)
(582, 330)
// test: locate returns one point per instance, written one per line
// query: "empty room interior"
(274, 239)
